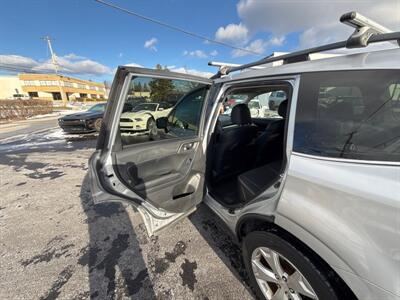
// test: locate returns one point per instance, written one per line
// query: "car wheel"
(278, 270)
(152, 128)
(97, 124)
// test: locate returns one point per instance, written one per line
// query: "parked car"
(312, 197)
(87, 121)
(142, 118)
(275, 99)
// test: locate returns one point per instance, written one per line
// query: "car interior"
(247, 153)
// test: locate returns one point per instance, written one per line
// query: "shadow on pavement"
(113, 256)
(216, 234)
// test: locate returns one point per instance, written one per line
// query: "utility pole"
(48, 39)
(53, 55)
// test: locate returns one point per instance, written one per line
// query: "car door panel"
(163, 179)
(166, 177)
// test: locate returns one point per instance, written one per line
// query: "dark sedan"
(88, 121)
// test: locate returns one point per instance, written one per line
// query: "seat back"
(269, 145)
(232, 143)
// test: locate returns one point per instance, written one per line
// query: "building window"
(81, 86)
(29, 82)
(68, 84)
(33, 94)
(56, 96)
(42, 82)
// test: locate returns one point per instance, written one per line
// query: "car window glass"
(184, 120)
(354, 114)
(261, 104)
(149, 99)
(98, 108)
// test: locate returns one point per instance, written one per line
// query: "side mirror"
(162, 123)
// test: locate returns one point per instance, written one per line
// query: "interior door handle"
(187, 146)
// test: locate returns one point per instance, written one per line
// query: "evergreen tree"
(139, 87)
(160, 89)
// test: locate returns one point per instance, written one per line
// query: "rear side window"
(351, 114)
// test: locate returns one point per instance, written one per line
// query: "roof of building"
(382, 59)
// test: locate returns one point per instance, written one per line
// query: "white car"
(142, 118)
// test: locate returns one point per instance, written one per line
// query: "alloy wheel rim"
(97, 124)
(278, 278)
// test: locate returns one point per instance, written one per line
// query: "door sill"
(156, 222)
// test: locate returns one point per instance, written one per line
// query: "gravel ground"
(54, 243)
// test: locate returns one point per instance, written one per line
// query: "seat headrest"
(282, 109)
(341, 111)
(240, 114)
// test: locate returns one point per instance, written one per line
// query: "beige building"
(49, 86)
(10, 87)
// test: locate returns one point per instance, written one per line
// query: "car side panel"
(354, 210)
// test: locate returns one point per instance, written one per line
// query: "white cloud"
(18, 61)
(258, 46)
(134, 65)
(151, 44)
(192, 72)
(214, 53)
(309, 18)
(195, 53)
(120, 55)
(232, 33)
(73, 56)
(277, 40)
(70, 63)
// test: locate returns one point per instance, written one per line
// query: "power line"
(173, 27)
(17, 68)
(24, 68)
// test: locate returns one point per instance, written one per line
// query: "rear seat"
(254, 182)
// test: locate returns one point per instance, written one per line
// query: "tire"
(97, 124)
(293, 265)
(152, 128)
(271, 105)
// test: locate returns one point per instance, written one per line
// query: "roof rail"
(223, 65)
(366, 32)
(364, 29)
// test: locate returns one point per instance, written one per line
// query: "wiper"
(347, 143)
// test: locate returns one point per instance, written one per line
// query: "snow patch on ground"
(56, 114)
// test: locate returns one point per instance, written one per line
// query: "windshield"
(145, 106)
(98, 107)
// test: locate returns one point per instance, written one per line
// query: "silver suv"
(311, 194)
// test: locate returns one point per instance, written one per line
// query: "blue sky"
(91, 39)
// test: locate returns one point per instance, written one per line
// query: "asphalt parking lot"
(55, 244)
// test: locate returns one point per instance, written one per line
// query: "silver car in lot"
(311, 194)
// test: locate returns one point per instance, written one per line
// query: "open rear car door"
(149, 152)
